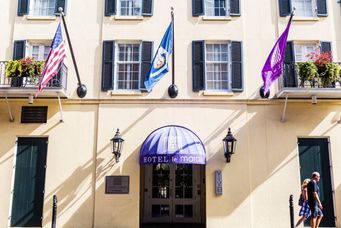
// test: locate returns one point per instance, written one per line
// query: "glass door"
(172, 193)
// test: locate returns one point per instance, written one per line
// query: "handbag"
(301, 200)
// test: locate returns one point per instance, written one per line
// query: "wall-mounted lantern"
(117, 144)
(229, 143)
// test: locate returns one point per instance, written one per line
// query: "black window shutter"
(198, 65)
(147, 8)
(146, 60)
(22, 7)
(326, 46)
(60, 3)
(108, 65)
(234, 8)
(19, 49)
(197, 7)
(110, 8)
(284, 7)
(237, 66)
(289, 72)
(322, 8)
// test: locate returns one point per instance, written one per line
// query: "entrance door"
(29, 182)
(172, 193)
(314, 156)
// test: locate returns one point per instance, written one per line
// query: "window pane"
(42, 7)
(217, 66)
(215, 8)
(46, 51)
(302, 51)
(304, 8)
(128, 70)
(130, 7)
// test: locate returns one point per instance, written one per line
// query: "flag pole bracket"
(11, 118)
(284, 109)
(60, 109)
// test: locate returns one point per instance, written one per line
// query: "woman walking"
(305, 210)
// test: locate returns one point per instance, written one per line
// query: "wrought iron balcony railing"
(58, 82)
(290, 79)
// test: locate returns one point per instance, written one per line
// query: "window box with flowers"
(24, 72)
(319, 72)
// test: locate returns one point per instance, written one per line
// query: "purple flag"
(273, 66)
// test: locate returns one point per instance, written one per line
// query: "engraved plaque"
(218, 182)
(117, 185)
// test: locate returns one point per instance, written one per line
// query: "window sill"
(128, 18)
(216, 18)
(217, 93)
(305, 18)
(49, 18)
(125, 93)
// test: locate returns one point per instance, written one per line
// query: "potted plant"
(13, 71)
(330, 75)
(328, 72)
(307, 71)
(26, 68)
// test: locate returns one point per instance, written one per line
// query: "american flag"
(54, 59)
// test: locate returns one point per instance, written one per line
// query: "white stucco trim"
(216, 18)
(128, 18)
(47, 18)
(125, 93)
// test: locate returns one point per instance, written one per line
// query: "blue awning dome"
(173, 144)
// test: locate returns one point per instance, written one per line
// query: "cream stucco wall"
(70, 160)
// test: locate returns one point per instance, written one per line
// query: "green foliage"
(330, 75)
(13, 68)
(307, 72)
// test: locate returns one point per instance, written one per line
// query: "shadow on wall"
(272, 163)
(77, 191)
(10, 132)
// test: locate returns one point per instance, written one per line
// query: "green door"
(29, 182)
(314, 156)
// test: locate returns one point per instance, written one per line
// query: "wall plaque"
(218, 182)
(117, 185)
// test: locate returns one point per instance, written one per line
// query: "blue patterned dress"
(305, 210)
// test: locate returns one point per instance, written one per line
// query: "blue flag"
(159, 65)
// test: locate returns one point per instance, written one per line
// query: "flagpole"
(81, 90)
(173, 89)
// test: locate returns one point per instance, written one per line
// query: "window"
(303, 50)
(125, 65)
(216, 8)
(127, 76)
(38, 51)
(42, 7)
(130, 7)
(217, 66)
(140, 8)
(304, 8)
